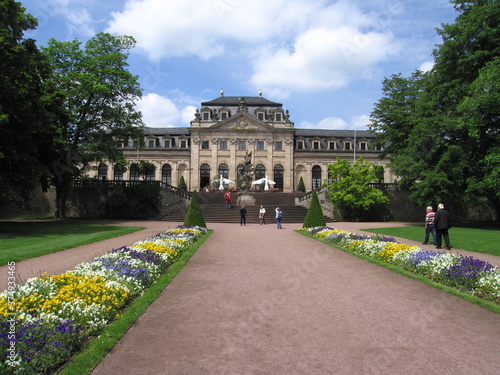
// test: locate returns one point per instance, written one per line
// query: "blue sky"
(324, 60)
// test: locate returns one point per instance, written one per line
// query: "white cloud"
(75, 14)
(327, 123)
(162, 112)
(187, 114)
(361, 122)
(158, 111)
(322, 58)
(426, 66)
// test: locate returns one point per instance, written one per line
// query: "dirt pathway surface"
(257, 300)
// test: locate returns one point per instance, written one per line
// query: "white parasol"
(266, 181)
(223, 181)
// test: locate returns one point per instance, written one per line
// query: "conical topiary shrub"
(301, 186)
(182, 184)
(314, 216)
(194, 216)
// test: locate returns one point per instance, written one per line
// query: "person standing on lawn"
(443, 224)
(429, 226)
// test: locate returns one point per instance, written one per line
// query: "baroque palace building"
(225, 129)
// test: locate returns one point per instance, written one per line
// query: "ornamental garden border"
(86, 310)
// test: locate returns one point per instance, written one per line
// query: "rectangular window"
(119, 144)
(278, 116)
(242, 145)
(205, 145)
(151, 143)
(347, 146)
(300, 145)
(362, 146)
(184, 144)
(223, 145)
(223, 115)
(316, 145)
(206, 116)
(167, 143)
(136, 144)
(278, 145)
(259, 145)
(331, 145)
(260, 116)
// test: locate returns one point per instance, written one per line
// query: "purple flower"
(464, 274)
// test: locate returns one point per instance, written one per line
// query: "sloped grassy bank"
(47, 320)
(472, 279)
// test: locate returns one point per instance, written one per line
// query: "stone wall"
(85, 203)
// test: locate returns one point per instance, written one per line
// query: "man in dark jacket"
(442, 223)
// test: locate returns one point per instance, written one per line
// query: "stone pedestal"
(246, 198)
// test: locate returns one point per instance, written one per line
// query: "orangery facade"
(225, 130)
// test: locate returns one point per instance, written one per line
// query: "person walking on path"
(243, 215)
(262, 215)
(443, 224)
(228, 199)
(279, 215)
(429, 226)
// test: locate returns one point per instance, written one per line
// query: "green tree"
(26, 144)
(441, 128)
(99, 96)
(145, 169)
(194, 215)
(314, 216)
(349, 188)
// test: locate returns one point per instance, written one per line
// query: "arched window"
(102, 172)
(118, 171)
(278, 176)
(316, 177)
(224, 170)
(150, 172)
(166, 174)
(204, 176)
(260, 171)
(134, 172)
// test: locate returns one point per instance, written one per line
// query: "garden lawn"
(485, 241)
(24, 240)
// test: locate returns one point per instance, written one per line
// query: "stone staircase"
(213, 208)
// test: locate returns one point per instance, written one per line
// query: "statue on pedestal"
(246, 172)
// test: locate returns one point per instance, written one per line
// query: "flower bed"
(48, 318)
(465, 274)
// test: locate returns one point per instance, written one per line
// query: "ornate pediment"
(242, 121)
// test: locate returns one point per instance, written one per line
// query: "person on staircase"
(228, 199)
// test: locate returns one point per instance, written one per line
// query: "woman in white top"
(262, 215)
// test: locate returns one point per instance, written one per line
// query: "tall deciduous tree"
(441, 128)
(349, 188)
(25, 126)
(99, 101)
